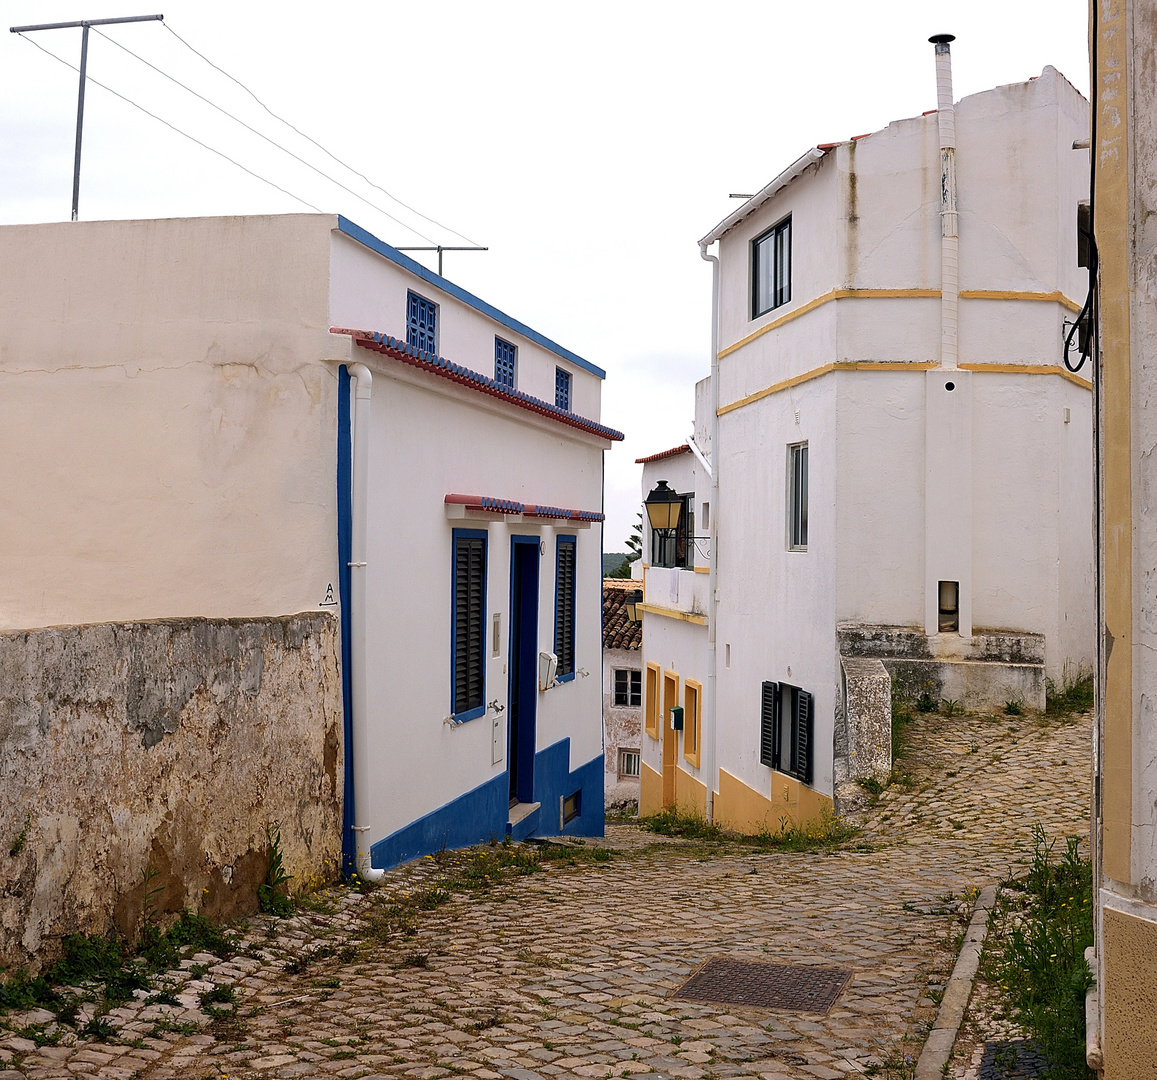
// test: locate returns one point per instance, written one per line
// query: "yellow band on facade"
(671, 613)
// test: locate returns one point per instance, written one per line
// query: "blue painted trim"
(572, 539)
(473, 818)
(367, 239)
(484, 536)
(528, 733)
(344, 554)
(528, 826)
(554, 780)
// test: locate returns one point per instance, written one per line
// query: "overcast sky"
(589, 146)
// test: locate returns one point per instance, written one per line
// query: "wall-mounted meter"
(676, 717)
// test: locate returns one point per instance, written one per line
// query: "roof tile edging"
(512, 506)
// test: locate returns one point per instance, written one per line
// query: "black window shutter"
(768, 725)
(469, 583)
(564, 611)
(802, 740)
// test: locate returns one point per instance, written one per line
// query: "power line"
(262, 135)
(314, 142)
(191, 138)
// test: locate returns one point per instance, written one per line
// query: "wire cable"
(173, 127)
(314, 142)
(262, 135)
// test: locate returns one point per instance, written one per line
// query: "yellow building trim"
(1113, 229)
(1128, 945)
(690, 794)
(650, 791)
(1056, 297)
(815, 373)
(826, 298)
(692, 721)
(671, 613)
(790, 804)
(1030, 369)
(651, 701)
(703, 569)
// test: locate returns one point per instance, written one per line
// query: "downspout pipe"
(358, 675)
(710, 742)
(949, 239)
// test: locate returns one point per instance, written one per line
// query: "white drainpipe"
(360, 726)
(949, 241)
(713, 562)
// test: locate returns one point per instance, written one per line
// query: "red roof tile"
(618, 631)
(684, 449)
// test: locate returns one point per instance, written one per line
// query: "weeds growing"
(273, 893)
(825, 833)
(1073, 695)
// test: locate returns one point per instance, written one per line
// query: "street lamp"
(663, 508)
(631, 601)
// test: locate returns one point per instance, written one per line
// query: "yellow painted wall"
(690, 794)
(1129, 945)
(740, 807)
(650, 791)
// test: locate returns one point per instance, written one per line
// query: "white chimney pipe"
(949, 241)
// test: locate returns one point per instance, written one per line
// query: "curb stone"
(942, 1037)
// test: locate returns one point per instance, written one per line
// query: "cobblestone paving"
(566, 971)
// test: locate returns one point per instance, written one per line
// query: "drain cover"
(765, 986)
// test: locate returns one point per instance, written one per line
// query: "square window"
(786, 730)
(771, 269)
(564, 602)
(504, 357)
(628, 688)
(628, 763)
(421, 323)
(467, 669)
(797, 497)
(562, 389)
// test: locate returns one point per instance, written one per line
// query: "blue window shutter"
(469, 623)
(564, 605)
(562, 389)
(421, 323)
(504, 354)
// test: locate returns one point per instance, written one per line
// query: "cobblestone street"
(567, 971)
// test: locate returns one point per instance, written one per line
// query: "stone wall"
(167, 749)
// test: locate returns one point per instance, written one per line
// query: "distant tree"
(634, 551)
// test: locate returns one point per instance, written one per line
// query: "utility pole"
(439, 248)
(84, 24)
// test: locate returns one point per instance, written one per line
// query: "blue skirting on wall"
(481, 814)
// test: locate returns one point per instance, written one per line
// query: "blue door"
(523, 666)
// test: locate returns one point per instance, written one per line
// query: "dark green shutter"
(469, 590)
(801, 764)
(768, 714)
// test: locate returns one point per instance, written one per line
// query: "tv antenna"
(439, 248)
(84, 24)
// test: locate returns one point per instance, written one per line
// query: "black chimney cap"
(941, 39)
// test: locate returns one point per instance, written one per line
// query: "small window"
(628, 763)
(786, 730)
(677, 548)
(692, 713)
(421, 323)
(468, 633)
(797, 497)
(771, 269)
(562, 389)
(628, 688)
(564, 601)
(651, 715)
(504, 356)
(571, 807)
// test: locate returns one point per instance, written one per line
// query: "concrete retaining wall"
(169, 746)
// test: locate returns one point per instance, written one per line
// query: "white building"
(622, 697)
(261, 418)
(904, 479)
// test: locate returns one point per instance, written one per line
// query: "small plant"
(221, 994)
(672, 821)
(950, 706)
(415, 960)
(272, 895)
(99, 1027)
(871, 785)
(21, 840)
(926, 703)
(1074, 695)
(1013, 707)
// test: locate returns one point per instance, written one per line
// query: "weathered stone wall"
(167, 748)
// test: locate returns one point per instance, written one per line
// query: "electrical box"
(547, 670)
(497, 739)
(676, 717)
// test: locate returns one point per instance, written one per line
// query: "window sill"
(469, 714)
(569, 677)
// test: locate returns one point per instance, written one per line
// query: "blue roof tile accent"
(367, 239)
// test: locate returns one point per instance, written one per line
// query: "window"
(651, 716)
(786, 729)
(677, 548)
(468, 629)
(504, 354)
(628, 763)
(628, 688)
(692, 713)
(564, 596)
(797, 497)
(421, 323)
(562, 389)
(771, 269)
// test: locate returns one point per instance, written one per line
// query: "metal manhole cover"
(765, 986)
